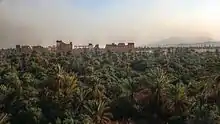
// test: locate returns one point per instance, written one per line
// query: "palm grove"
(105, 88)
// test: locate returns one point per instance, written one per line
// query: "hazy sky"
(44, 21)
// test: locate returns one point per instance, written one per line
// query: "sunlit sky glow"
(146, 21)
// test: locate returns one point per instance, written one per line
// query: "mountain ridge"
(184, 40)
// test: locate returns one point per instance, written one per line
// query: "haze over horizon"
(42, 22)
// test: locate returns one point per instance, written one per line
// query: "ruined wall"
(63, 47)
(121, 47)
(39, 49)
(26, 49)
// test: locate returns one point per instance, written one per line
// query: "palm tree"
(80, 98)
(158, 83)
(128, 87)
(177, 103)
(63, 82)
(204, 114)
(98, 111)
(178, 100)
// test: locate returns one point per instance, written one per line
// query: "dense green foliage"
(102, 88)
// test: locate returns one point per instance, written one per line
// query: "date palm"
(177, 99)
(177, 103)
(63, 82)
(158, 83)
(98, 111)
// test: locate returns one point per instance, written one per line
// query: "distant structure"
(96, 46)
(24, 49)
(89, 46)
(78, 49)
(39, 49)
(121, 47)
(28, 49)
(63, 47)
(52, 48)
(18, 48)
